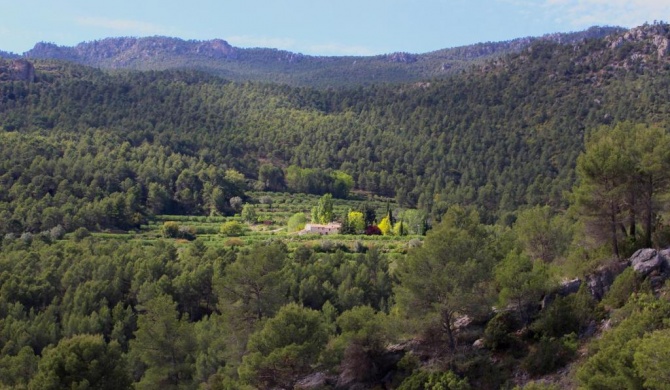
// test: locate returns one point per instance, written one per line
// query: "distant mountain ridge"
(220, 58)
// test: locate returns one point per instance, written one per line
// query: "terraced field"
(272, 220)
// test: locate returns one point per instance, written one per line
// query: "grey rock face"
(645, 261)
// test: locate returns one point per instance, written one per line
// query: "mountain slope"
(499, 136)
(270, 65)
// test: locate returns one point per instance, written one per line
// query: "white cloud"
(627, 13)
(122, 25)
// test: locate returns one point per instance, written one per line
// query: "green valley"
(498, 223)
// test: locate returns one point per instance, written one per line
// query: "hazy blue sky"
(319, 27)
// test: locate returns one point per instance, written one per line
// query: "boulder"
(569, 287)
(566, 288)
(645, 261)
(665, 259)
(318, 380)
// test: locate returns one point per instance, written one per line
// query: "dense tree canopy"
(486, 155)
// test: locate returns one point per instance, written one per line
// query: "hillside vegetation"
(149, 226)
(499, 137)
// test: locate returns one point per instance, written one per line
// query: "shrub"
(549, 355)
(234, 241)
(232, 229)
(170, 229)
(624, 285)
(539, 386)
(81, 233)
(373, 230)
(480, 370)
(414, 243)
(421, 380)
(236, 203)
(57, 232)
(565, 315)
(249, 213)
(297, 222)
(187, 232)
(266, 200)
(27, 238)
(496, 334)
(360, 247)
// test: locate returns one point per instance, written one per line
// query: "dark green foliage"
(272, 177)
(253, 287)
(623, 172)
(285, 349)
(422, 144)
(571, 314)
(346, 281)
(83, 361)
(627, 283)
(317, 181)
(424, 380)
(445, 277)
(358, 349)
(85, 151)
(611, 361)
(81, 233)
(550, 354)
(17, 370)
(521, 282)
(480, 370)
(172, 229)
(96, 180)
(164, 343)
(497, 333)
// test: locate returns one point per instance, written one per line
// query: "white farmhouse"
(313, 228)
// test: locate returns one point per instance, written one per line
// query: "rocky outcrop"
(645, 261)
(652, 264)
(599, 282)
(569, 287)
(318, 380)
(657, 36)
(122, 51)
(404, 58)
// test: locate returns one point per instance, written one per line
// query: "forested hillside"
(498, 137)
(542, 178)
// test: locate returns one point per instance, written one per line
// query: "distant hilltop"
(220, 58)
(119, 52)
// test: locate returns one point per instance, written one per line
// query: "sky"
(315, 27)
